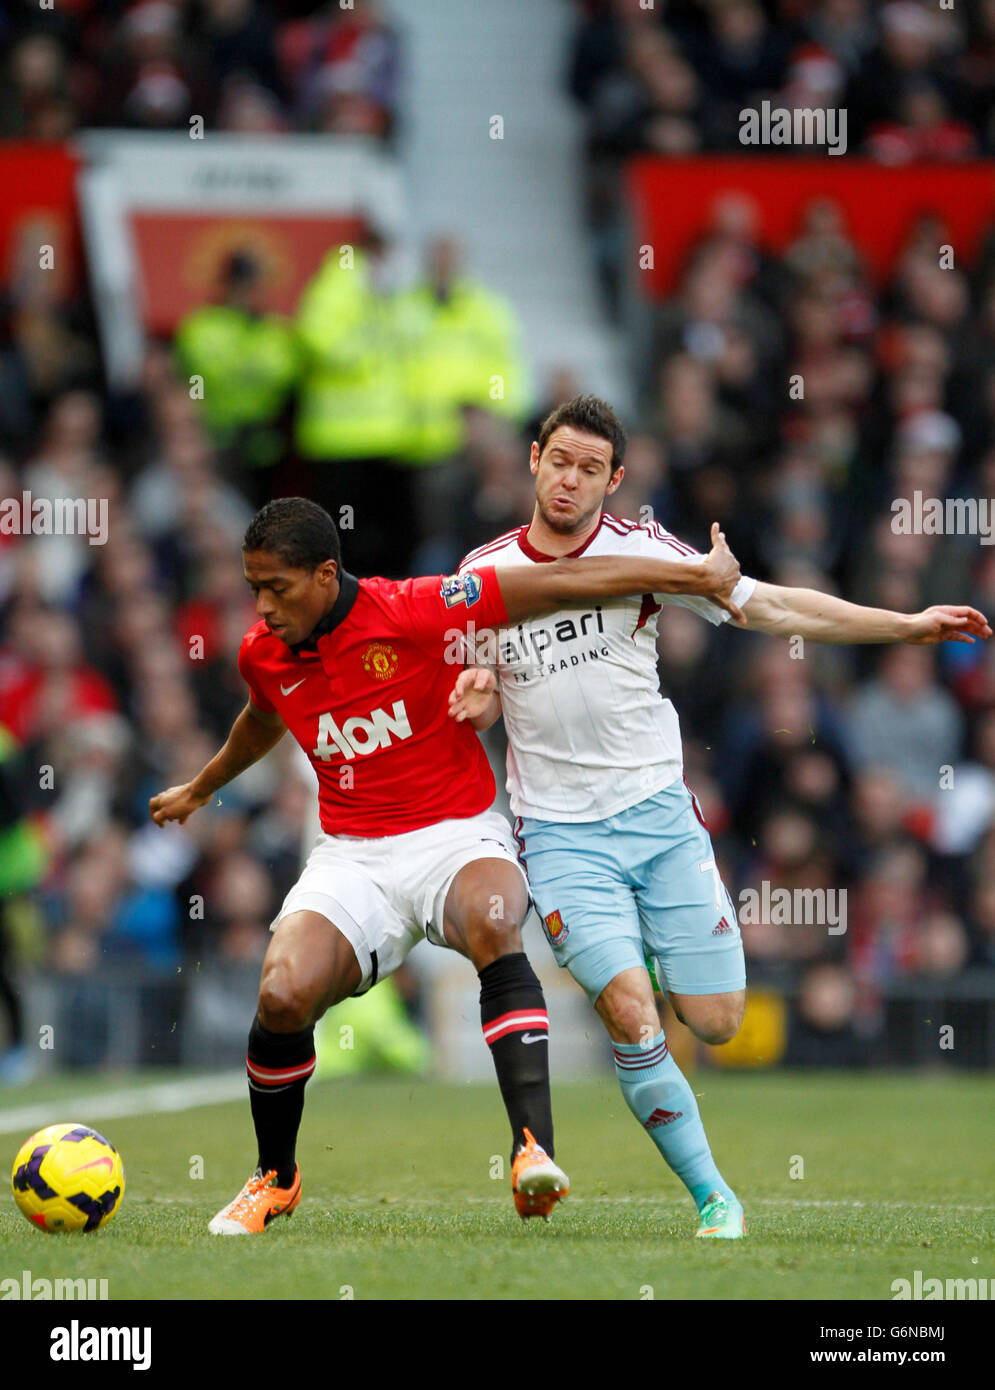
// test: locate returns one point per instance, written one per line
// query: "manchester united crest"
(380, 661)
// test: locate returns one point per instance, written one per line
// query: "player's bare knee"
(733, 1018)
(488, 938)
(720, 1025)
(713, 1034)
(627, 1015)
(629, 1019)
(284, 1007)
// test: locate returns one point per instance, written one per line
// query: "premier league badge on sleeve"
(462, 588)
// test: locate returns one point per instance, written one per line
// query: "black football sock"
(278, 1065)
(516, 1028)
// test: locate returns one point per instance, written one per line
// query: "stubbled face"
(290, 601)
(573, 477)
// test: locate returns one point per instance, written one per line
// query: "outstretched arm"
(530, 591)
(824, 618)
(252, 735)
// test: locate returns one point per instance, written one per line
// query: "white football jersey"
(589, 733)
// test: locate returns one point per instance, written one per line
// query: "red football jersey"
(367, 697)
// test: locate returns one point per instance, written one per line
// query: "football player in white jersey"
(619, 859)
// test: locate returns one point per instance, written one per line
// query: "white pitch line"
(891, 1206)
(678, 1203)
(675, 1204)
(772, 1202)
(224, 1086)
(135, 1100)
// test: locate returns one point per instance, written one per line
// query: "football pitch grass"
(399, 1202)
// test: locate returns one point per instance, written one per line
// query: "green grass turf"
(398, 1201)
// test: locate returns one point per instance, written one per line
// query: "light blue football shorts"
(640, 888)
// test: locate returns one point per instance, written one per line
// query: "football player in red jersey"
(360, 672)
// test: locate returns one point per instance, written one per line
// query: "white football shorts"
(387, 894)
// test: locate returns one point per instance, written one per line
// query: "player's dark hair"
(593, 416)
(300, 532)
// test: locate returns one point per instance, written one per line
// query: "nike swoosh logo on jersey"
(286, 690)
(535, 1037)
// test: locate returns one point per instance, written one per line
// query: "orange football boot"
(256, 1205)
(536, 1182)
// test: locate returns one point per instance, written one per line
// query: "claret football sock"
(657, 1093)
(516, 1029)
(278, 1065)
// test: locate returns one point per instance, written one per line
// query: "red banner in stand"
(181, 255)
(673, 202)
(38, 208)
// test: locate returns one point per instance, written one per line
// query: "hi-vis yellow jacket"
(462, 351)
(249, 364)
(352, 401)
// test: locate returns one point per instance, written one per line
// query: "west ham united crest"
(556, 927)
(380, 660)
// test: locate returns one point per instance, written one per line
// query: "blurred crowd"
(241, 65)
(364, 400)
(118, 671)
(915, 78)
(870, 769)
(865, 769)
